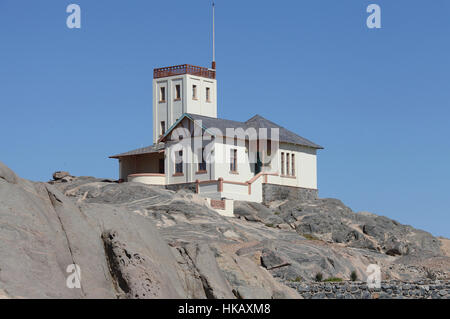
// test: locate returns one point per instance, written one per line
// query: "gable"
(208, 124)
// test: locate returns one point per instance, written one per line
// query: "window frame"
(233, 161)
(208, 94)
(162, 127)
(293, 164)
(177, 92)
(201, 166)
(162, 94)
(179, 165)
(194, 92)
(288, 158)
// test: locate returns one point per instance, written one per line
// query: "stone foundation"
(190, 187)
(273, 192)
(359, 290)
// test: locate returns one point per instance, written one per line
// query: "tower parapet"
(184, 69)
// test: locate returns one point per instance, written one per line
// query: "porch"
(147, 168)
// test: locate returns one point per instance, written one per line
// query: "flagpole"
(214, 36)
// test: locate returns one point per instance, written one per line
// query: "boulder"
(7, 174)
(60, 175)
(271, 260)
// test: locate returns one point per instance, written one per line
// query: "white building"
(256, 160)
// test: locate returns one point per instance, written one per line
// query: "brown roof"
(140, 151)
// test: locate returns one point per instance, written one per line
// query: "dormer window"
(162, 94)
(194, 92)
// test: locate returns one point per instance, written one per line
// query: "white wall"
(148, 179)
(305, 167)
(171, 110)
(201, 106)
(222, 155)
(190, 160)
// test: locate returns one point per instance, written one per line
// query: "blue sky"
(377, 100)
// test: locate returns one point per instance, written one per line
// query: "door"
(161, 166)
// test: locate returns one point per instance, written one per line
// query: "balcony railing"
(184, 69)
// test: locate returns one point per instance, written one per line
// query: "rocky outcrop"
(7, 174)
(137, 241)
(275, 193)
(108, 230)
(43, 232)
(330, 220)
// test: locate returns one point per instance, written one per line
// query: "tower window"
(208, 95)
(177, 92)
(163, 127)
(162, 94)
(194, 92)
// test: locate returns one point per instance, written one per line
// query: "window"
(282, 163)
(233, 160)
(288, 172)
(194, 92)
(208, 95)
(177, 92)
(162, 94)
(163, 127)
(179, 163)
(293, 165)
(202, 163)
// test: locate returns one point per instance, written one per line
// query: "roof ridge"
(257, 116)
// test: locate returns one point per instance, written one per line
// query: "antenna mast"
(214, 36)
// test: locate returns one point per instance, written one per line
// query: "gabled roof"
(286, 136)
(256, 122)
(140, 151)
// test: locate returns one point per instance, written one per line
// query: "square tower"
(182, 89)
